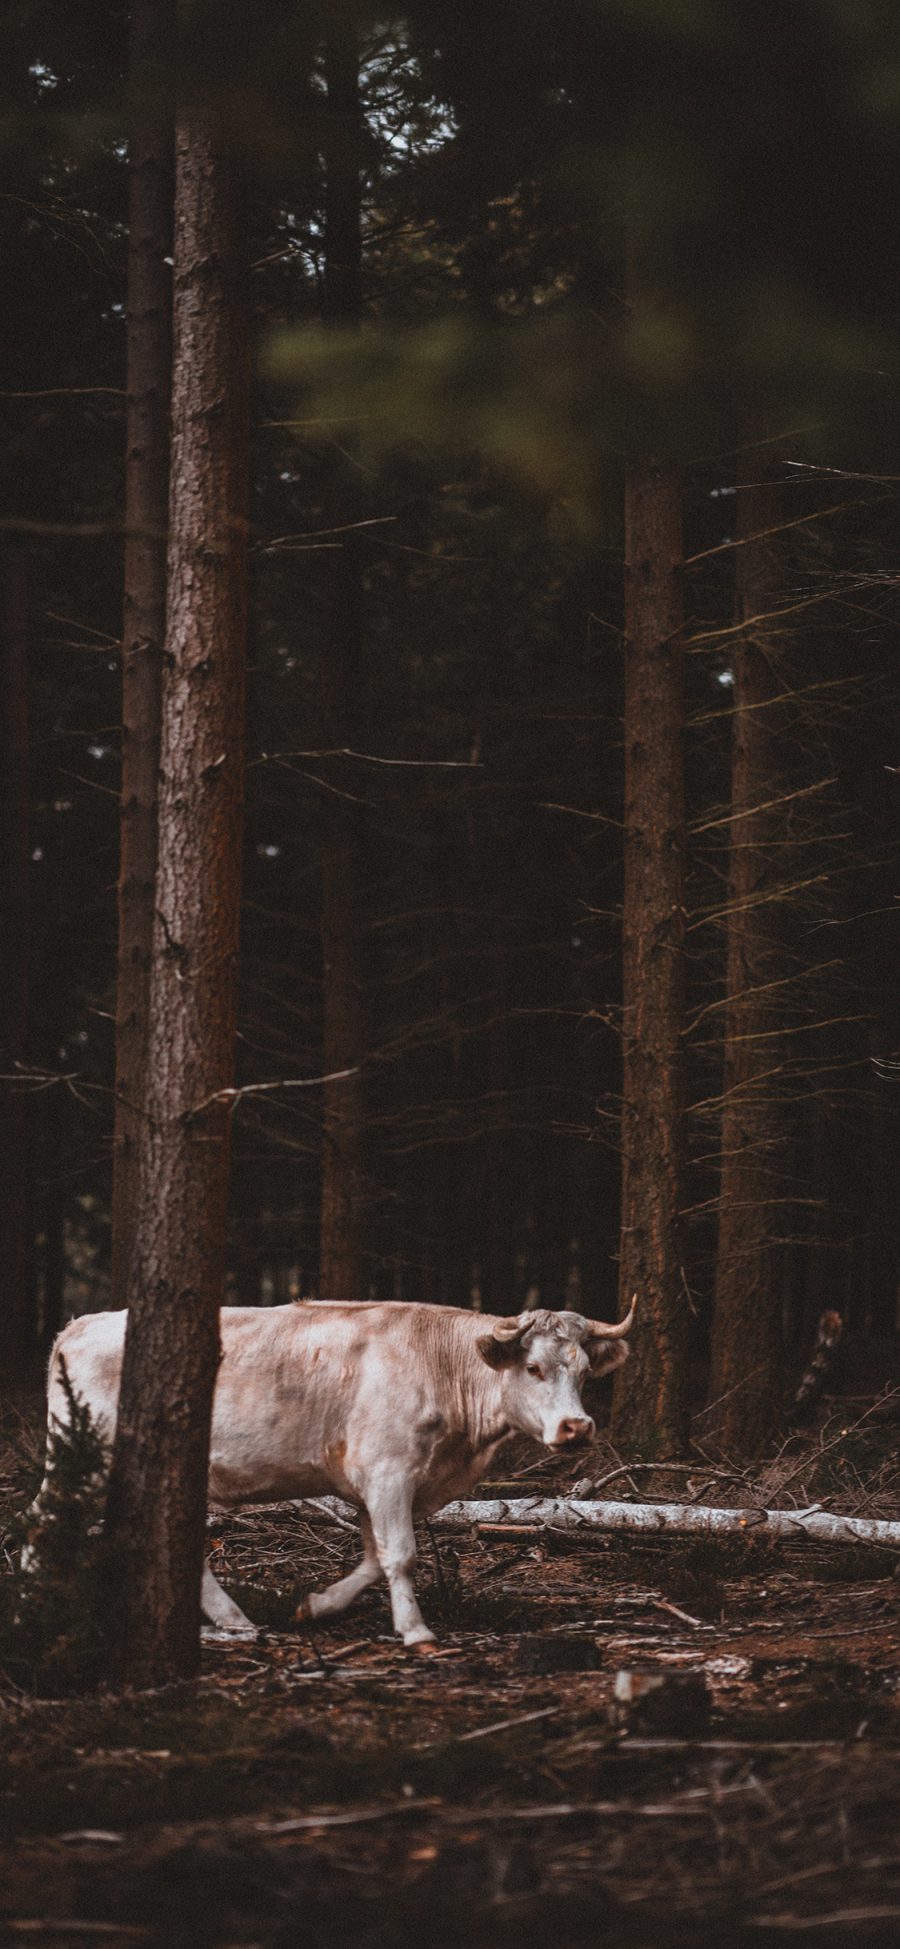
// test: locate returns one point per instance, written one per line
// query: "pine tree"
(651, 1400)
(53, 1609)
(343, 1109)
(146, 511)
(746, 1383)
(18, 1326)
(157, 1499)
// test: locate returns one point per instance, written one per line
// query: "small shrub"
(52, 1637)
(451, 1604)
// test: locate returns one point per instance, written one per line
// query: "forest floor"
(315, 1789)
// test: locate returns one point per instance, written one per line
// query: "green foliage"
(52, 1636)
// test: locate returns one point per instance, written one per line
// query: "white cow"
(398, 1408)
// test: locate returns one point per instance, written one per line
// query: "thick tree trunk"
(650, 1414)
(158, 1486)
(341, 1271)
(745, 1374)
(146, 513)
(17, 1326)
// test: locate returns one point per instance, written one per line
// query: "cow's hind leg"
(35, 1517)
(221, 1610)
(390, 1510)
(336, 1597)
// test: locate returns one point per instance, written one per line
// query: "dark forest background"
(437, 467)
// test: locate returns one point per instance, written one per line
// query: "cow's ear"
(504, 1346)
(605, 1355)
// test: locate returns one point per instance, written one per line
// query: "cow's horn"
(604, 1332)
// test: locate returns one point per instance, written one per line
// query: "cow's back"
(284, 1394)
(295, 1383)
(296, 1391)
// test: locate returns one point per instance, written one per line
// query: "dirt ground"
(532, 1782)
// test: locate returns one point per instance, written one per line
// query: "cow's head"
(544, 1359)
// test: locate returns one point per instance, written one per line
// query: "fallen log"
(559, 1512)
(657, 1518)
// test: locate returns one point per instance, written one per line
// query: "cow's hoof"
(423, 1647)
(303, 1613)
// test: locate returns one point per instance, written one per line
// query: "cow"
(398, 1408)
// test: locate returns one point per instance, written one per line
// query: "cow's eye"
(534, 1369)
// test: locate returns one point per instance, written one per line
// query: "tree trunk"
(495, 1201)
(17, 1328)
(158, 1482)
(52, 1209)
(341, 1270)
(745, 1375)
(881, 1225)
(146, 513)
(650, 1414)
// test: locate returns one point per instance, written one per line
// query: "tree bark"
(17, 1328)
(650, 1412)
(149, 359)
(745, 1374)
(159, 1471)
(341, 1269)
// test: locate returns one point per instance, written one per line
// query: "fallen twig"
(69, 1925)
(662, 1604)
(506, 1725)
(629, 1745)
(357, 1817)
(839, 1918)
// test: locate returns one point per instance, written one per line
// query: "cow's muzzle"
(573, 1432)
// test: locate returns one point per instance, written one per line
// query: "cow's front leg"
(390, 1511)
(337, 1596)
(221, 1610)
